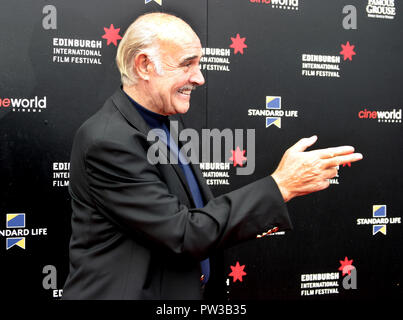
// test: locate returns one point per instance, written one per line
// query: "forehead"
(181, 47)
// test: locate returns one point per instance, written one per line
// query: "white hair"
(141, 37)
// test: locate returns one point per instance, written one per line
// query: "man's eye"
(188, 63)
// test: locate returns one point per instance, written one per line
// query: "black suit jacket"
(135, 231)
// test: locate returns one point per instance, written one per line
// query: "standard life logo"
(379, 220)
(273, 113)
(17, 233)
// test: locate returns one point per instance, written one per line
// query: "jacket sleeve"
(130, 192)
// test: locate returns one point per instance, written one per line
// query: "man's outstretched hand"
(301, 172)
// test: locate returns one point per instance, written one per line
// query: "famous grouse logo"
(381, 9)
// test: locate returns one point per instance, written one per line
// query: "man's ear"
(143, 66)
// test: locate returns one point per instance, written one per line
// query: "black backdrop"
(337, 100)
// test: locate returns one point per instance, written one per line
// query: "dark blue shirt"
(158, 121)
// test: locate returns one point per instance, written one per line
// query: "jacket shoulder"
(107, 124)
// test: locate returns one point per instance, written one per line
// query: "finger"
(304, 143)
(330, 172)
(323, 185)
(333, 152)
(344, 159)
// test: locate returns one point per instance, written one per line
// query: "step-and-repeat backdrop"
(276, 71)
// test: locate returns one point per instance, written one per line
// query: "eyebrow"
(188, 59)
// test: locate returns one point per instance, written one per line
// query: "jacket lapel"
(135, 119)
(205, 190)
(129, 112)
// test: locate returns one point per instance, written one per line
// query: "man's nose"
(197, 77)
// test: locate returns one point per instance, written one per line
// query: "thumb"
(304, 143)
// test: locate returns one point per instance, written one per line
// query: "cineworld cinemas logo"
(390, 116)
(16, 232)
(278, 4)
(379, 220)
(35, 104)
(273, 112)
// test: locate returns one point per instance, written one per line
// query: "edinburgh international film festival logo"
(219, 58)
(328, 283)
(324, 65)
(77, 50)
(16, 231)
(221, 151)
(60, 174)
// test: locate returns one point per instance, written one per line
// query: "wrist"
(283, 190)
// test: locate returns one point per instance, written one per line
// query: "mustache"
(188, 87)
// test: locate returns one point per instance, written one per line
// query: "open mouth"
(186, 90)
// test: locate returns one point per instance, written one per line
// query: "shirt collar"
(154, 120)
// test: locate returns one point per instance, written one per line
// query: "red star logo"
(238, 157)
(348, 51)
(238, 44)
(347, 164)
(237, 272)
(112, 35)
(346, 266)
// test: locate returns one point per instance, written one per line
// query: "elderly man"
(144, 231)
